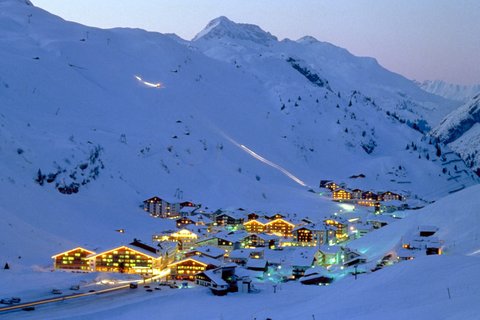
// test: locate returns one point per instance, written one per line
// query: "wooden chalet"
(308, 235)
(160, 208)
(220, 280)
(132, 258)
(229, 219)
(389, 196)
(280, 227)
(341, 194)
(260, 240)
(183, 221)
(74, 259)
(187, 268)
(255, 225)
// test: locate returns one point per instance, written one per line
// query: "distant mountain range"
(450, 91)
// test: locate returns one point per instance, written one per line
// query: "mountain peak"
(222, 27)
(307, 40)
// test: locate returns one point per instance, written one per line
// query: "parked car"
(75, 287)
(6, 301)
(56, 291)
(133, 285)
(29, 308)
(15, 299)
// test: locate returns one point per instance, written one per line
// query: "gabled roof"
(199, 259)
(233, 214)
(311, 227)
(215, 277)
(301, 257)
(201, 218)
(232, 236)
(128, 247)
(281, 219)
(256, 263)
(209, 251)
(259, 220)
(74, 249)
(184, 231)
(242, 253)
(153, 199)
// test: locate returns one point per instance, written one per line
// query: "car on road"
(75, 287)
(56, 291)
(6, 301)
(29, 308)
(133, 285)
(15, 299)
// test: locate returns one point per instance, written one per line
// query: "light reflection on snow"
(149, 84)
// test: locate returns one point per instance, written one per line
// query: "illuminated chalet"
(341, 194)
(74, 259)
(280, 227)
(133, 258)
(187, 268)
(255, 225)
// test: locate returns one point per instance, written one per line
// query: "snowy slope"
(429, 287)
(450, 91)
(456, 216)
(73, 109)
(461, 131)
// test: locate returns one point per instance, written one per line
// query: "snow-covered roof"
(210, 251)
(256, 263)
(329, 249)
(215, 277)
(201, 259)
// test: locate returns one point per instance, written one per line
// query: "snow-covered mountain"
(324, 65)
(451, 91)
(94, 121)
(461, 131)
(87, 131)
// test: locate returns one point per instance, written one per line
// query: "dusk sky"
(428, 39)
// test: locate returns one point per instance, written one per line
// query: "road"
(76, 295)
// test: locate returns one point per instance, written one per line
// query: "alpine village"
(234, 250)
